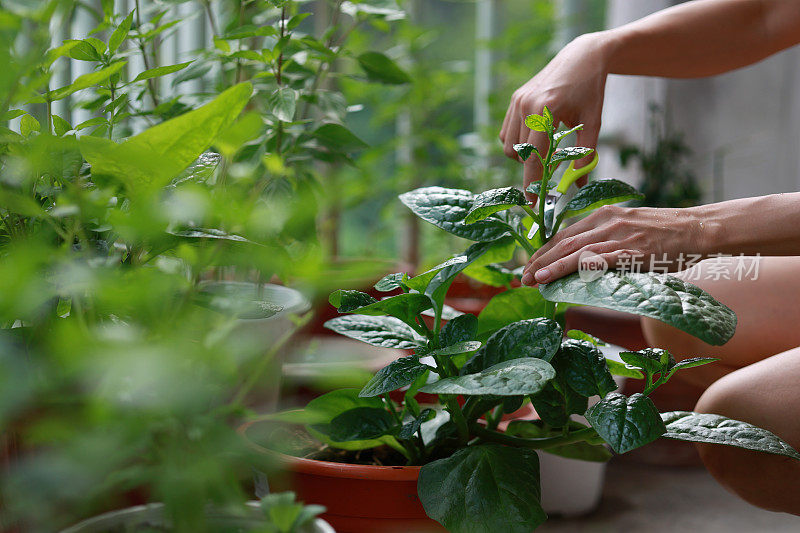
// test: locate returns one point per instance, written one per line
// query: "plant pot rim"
(331, 469)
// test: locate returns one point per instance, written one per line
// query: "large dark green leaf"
(510, 306)
(380, 68)
(447, 208)
(626, 423)
(456, 349)
(383, 331)
(406, 306)
(361, 423)
(410, 428)
(460, 329)
(396, 374)
(492, 201)
(537, 337)
(534, 429)
(584, 368)
(484, 488)
(557, 402)
(518, 377)
(717, 429)
(599, 193)
(658, 296)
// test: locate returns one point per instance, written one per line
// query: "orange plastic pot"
(358, 498)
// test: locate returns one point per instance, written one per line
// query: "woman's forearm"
(765, 225)
(702, 38)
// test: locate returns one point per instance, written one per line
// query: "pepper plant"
(475, 369)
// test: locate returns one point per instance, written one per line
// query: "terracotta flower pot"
(358, 498)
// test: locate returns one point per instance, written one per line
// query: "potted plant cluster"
(420, 446)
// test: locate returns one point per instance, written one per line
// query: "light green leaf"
(87, 80)
(659, 296)
(619, 369)
(391, 282)
(382, 69)
(597, 194)
(717, 429)
(337, 137)
(120, 33)
(561, 134)
(160, 71)
(382, 331)
(484, 488)
(517, 377)
(28, 124)
(151, 159)
(283, 103)
(626, 423)
(537, 123)
(60, 126)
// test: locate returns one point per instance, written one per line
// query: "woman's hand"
(572, 87)
(614, 232)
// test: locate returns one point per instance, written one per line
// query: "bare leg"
(766, 394)
(768, 311)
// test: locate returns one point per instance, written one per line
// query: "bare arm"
(766, 225)
(695, 39)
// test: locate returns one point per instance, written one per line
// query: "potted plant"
(380, 464)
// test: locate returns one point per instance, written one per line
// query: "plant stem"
(525, 243)
(457, 415)
(150, 82)
(535, 444)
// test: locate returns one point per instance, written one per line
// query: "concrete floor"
(655, 499)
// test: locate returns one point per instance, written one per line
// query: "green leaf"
(87, 80)
(599, 193)
(233, 138)
(410, 428)
(361, 423)
(692, 362)
(379, 67)
(283, 103)
(583, 451)
(626, 423)
(517, 377)
(348, 301)
(60, 126)
(561, 134)
(619, 369)
(459, 329)
(484, 488)
(658, 296)
(537, 337)
(397, 374)
(583, 336)
(524, 150)
(160, 71)
(28, 124)
(337, 137)
(570, 153)
(120, 33)
(510, 306)
(420, 282)
(447, 208)
(651, 360)
(557, 402)
(584, 368)
(323, 409)
(537, 123)
(84, 51)
(492, 201)
(406, 307)
(391, 282)
(717, 429)
(382, 331)
(456, 349)
(154, 157)
(296, 20)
